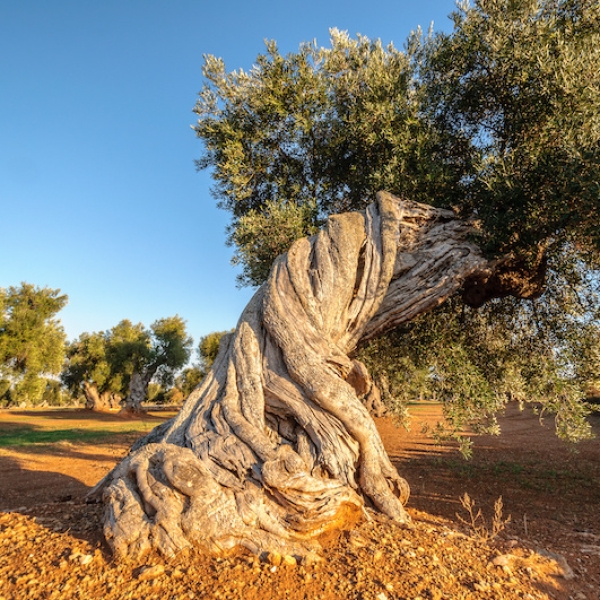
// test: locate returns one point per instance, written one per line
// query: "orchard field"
(52, 546)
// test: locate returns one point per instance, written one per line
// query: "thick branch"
(508, 276)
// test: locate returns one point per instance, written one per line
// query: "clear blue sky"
(98, 191)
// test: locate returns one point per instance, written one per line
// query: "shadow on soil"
(22, 488)
(54, 501)
(547, 486)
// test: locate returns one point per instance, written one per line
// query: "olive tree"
(32, 341)
(88, 370)
(493, 198)
(155, 353)
(116, 366)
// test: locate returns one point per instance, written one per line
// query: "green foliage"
(156, 393)
(477, 360)
(190, 377)
(208, 348)
(88, 360)
(262, 234)
(174, 396)
(309, 134)
(128, 349)
(497, 120)
(517, 82)
(31, 342)
(54, 394)
(500, 118)
(108, 359)
(170, 349)
(188, 380)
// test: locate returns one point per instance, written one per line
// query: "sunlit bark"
(276, 445)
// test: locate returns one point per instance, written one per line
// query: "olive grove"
(115, 367)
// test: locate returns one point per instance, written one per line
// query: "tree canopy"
(208, 348)
(498, 120)
(515, 81)
(31, 341)
(89, 368)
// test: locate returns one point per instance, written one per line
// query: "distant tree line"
(121, 367)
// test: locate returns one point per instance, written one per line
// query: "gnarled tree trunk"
(275, 445)
(95, 400)
(138, 391)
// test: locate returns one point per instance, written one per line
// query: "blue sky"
(99, 195)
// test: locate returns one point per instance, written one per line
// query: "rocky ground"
(51, 544)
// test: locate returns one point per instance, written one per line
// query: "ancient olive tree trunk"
(95, 400)
(275, 445)
(138, 391)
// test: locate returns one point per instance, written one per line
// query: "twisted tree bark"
(138, 391)
(94, 400)
(275, 446)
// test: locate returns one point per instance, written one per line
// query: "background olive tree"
(498, 120)
(89, 371)
(117, 366)
(185, 382)
(32, 344)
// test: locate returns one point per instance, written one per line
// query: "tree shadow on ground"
(24, 488)
(52, 500)
(550, 490)
(119, 445)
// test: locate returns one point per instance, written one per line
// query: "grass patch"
(28, 436)
(39, 429)
(505, 467)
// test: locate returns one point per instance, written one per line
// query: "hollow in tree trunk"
(276, 445)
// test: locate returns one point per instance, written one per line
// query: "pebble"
(151, 572)
(311, 558)
(358, 541)
(289, 561)
(504, 560)
(565, 570)
(85, 559)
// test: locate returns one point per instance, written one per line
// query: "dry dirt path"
(51, 544)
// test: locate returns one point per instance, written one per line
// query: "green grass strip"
(27, 436)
